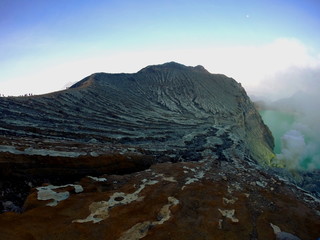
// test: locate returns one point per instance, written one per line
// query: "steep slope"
(164, 108)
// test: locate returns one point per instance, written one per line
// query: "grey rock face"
(167, 110)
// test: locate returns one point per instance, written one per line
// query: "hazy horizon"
(272, 48)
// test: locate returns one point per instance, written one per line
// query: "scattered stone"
(261, 183)
(94, 154)
(100, 210)
(227, 201)
(47, 193)
(275, 228)
(97, 179)
(140, 230)
(9, 206)
(229, 214)
(220, 223)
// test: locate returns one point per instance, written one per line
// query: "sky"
(271, 47)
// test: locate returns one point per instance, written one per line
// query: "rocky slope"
(173, 152)
(164, 109)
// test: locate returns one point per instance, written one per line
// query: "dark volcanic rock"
(163, 109)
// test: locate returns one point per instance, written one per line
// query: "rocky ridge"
(154, 110)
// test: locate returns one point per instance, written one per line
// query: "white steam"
(297, 153)
(293, 149)
(300, 144)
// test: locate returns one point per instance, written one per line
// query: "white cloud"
(256, 67)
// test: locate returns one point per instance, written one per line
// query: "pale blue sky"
(45, 44)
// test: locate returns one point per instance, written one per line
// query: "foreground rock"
(20, 172)
(211, 199)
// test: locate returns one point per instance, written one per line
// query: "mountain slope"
(161, 108)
